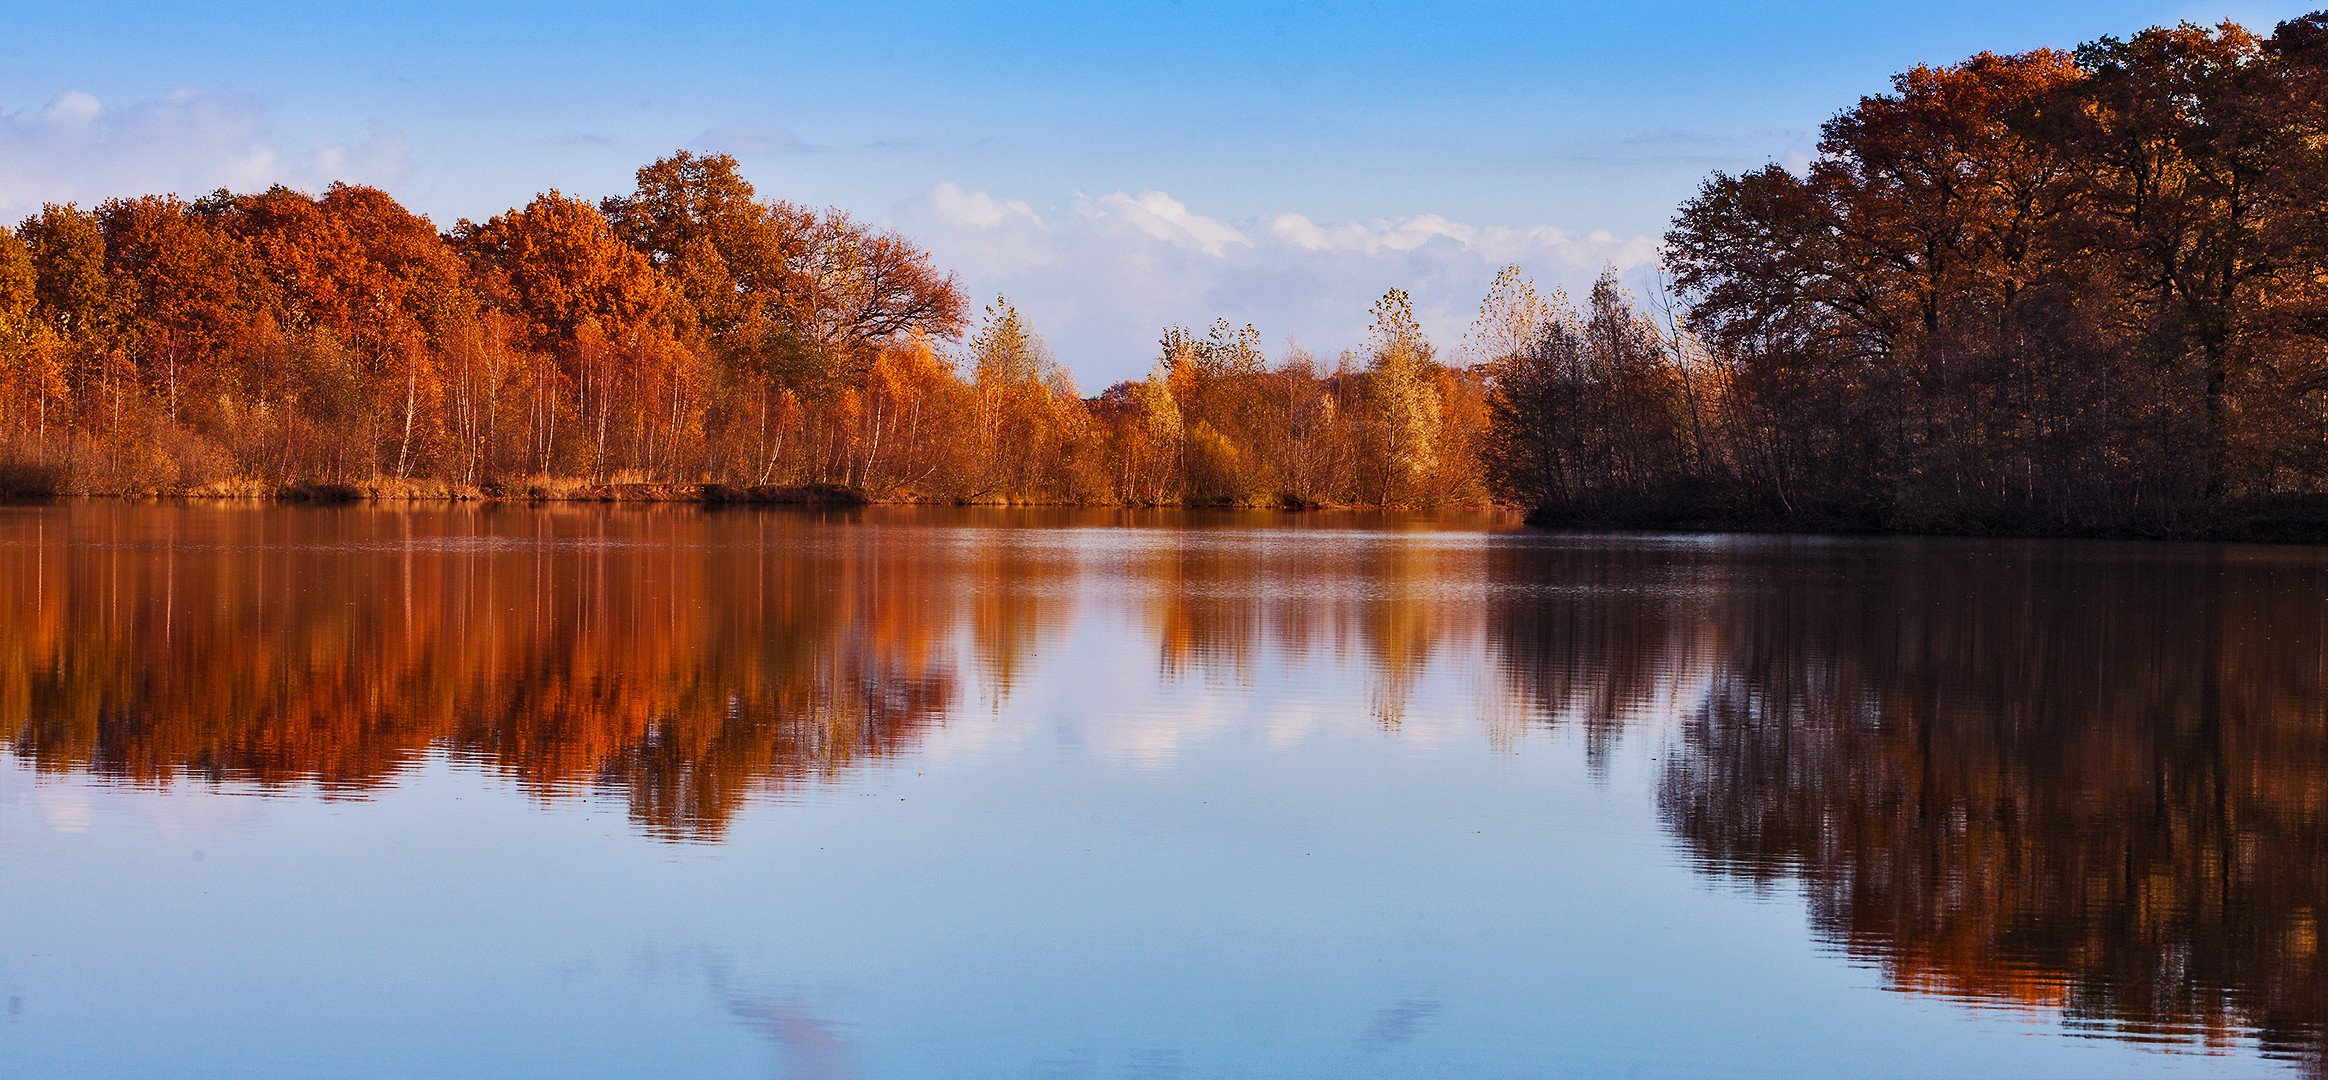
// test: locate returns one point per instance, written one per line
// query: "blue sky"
(1111, 168)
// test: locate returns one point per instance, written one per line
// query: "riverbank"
(536, 489)
(2281, 518)
(564, 489)
(2293, 519)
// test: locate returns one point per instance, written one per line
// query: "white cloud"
(188, 142)
(1101, 276)
(1159, 216)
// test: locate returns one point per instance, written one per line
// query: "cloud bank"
(189, 142)
(1101, 276)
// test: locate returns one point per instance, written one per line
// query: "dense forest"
(2048, 292)
(689, 339)
(2052, 292)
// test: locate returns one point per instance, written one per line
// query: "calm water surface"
(612, 791)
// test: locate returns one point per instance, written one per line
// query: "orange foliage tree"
(688, 337)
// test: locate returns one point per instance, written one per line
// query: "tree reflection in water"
(678, 657)
(2088, 779)
(2078, 777)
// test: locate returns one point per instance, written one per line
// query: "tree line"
(689, 336)
(2046, 292)
(2055, 292)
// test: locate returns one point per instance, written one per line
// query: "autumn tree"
(1510, 319)
(577, 292)
(1403, 433)
(805, 297)
(2050, 290)
(1028, 414)
(31, 371)
(1589, 415)
(1214, 382)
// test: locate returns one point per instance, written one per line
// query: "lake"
(595, 790)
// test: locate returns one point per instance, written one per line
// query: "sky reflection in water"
(610, 791)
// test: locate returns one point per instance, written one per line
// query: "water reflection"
(1607, 635)
(2087, 780)
(681, 657)
(2082, 778)
(678, 658)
